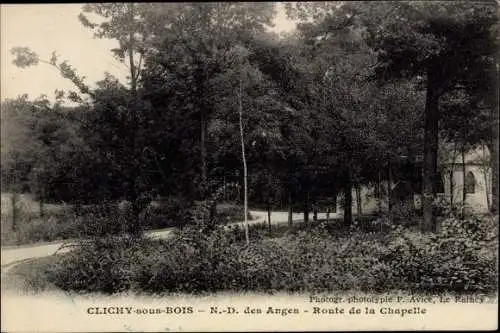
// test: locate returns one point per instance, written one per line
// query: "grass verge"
(29, 276)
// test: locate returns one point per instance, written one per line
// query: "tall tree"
(444, 42)
(193, 47)
(250, 113)
(126, 24)
(346, 99)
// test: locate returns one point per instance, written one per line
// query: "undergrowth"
(460, 257)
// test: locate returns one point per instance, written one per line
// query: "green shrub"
(460, 257)
(404, 213)
(105, 264)
(31, 228)
(62, 224)
(84, 221)
(168, 212)
(101, 220)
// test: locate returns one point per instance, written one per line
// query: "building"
(461, 177)
(467, 177)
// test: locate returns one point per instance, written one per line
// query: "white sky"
(45, 28)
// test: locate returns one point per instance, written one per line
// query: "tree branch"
(68, 73)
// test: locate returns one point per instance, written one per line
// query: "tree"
(347, 101)
(193, 48)
(258, 125)
(16, 148)
(41, 144)
(125, 23)
(494, 147)
(444, 42)
(276, 59)
(244, 159)
(459, 109)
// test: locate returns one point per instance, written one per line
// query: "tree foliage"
(357, 93)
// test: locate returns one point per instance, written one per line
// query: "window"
(470, 183)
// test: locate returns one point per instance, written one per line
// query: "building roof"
(476, 155)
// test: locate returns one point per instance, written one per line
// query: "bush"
(31, 228)
(86, 221)
(461, 257)
(168, 212)
(404, 213)
(63, 222)
(91, 221)
(100, 220)
(106, 264)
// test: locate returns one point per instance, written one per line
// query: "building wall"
(369, 200)
(477, 161)
(478, 200)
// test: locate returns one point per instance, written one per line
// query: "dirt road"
(16, 254)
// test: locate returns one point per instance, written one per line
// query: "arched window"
(470, 183)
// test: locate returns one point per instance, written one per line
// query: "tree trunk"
(133, 218)
(136, 212)
(290, 209)
(200, 78)
(485, 169)
(334, 204)
(430, 154)
(14, 199)
(379, 192)
(224, 184)
(130, 49)
(213, 213)
(203, 151)
(494, 173)
(133, 174)
(245, 185)
(451, 174)
(133, 197)
(328, 215)
(78, 207)
(306, 208)
(348, 204)
(41, 205)
(358, 201)
(464, 186)
(494, 146)
(451, 187)
(269, 212)
(389, 184)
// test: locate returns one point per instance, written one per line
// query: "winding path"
(13, 255)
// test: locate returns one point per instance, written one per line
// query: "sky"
(45, 28)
